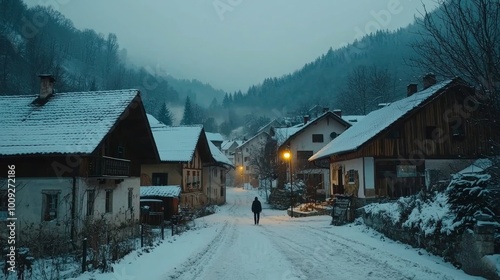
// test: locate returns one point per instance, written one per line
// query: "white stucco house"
(304, 140)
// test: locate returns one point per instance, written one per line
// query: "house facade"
(392, 150)
(183, 152)
(77, 157)
(228, 148)
(245, 156)
(216, 174)
(304, 140)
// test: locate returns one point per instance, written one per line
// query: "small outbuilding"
(160, 201)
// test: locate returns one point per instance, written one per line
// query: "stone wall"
(466, 251)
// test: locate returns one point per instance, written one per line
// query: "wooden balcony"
(109, 167)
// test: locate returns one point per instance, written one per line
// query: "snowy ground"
(227, 245)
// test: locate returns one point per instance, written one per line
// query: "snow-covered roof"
(218, 155)
(478, 166)
(214, 136)
(353, 119)
(72, 122)
(176, 143)
(283, 134)
(377, 121)
(163, 191)
(153, 122)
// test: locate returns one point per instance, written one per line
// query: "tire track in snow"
(363, 249)
(195, 264)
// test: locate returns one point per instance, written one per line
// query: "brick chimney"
(338, 112)
(429, 80)
(411, 89)
(306, 119)
(46, 86)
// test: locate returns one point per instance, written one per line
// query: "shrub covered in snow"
(437, 220)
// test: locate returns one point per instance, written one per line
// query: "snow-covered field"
(227, 245)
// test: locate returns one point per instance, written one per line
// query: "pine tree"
(188, 116)
(165, 116)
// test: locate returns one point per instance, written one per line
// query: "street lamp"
(241, 172)
(288, 156)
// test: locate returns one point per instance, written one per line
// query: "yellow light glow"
(241, 167)
(287, 155)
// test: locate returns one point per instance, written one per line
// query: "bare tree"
(462, 38)
(264, 162)
(365, 88)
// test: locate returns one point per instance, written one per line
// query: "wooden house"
(77, 155)
(183, 151)
(390, 151)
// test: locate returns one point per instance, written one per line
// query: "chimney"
(326, 109)
(411, 89)
(306, 119)
(46, 86)
(429, 80)
(338, 112)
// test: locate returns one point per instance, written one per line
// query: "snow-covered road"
(301, 248)
(227, 245)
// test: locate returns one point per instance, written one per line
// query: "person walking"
(256, 209)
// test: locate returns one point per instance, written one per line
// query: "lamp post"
(288, 156)
(241, 172)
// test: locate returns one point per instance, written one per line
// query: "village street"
(299, 248)
(227, 245)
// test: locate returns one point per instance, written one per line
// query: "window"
(247, 167)
(50, 204)
(130, 198)
(406, 170)
(352, 176)
(246, 159)
(90, 202)
(429, 132)
(188, 178)
(160, 179)
(221, 191)
(317, 138)
(109, 201)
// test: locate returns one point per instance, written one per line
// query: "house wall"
(215, 188)
(174, 171)
(120, 211)
(250, 149)
(303, 142)
(30, 202)
(364, 184)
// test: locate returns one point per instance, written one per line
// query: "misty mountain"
(41, 40)
(324, 80)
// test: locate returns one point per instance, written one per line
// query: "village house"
(187, 160)
(390, 151)
(228, 147)
(304, 140)
(218, 171)
(246, 153)
(77, 157)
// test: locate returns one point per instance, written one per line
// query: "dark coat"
(256, 206)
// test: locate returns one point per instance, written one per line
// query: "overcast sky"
(233, 44)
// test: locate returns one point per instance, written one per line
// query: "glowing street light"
(241, 172)
(288, 156)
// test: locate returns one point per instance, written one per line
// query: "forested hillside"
(355, 78)
(41, 40)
